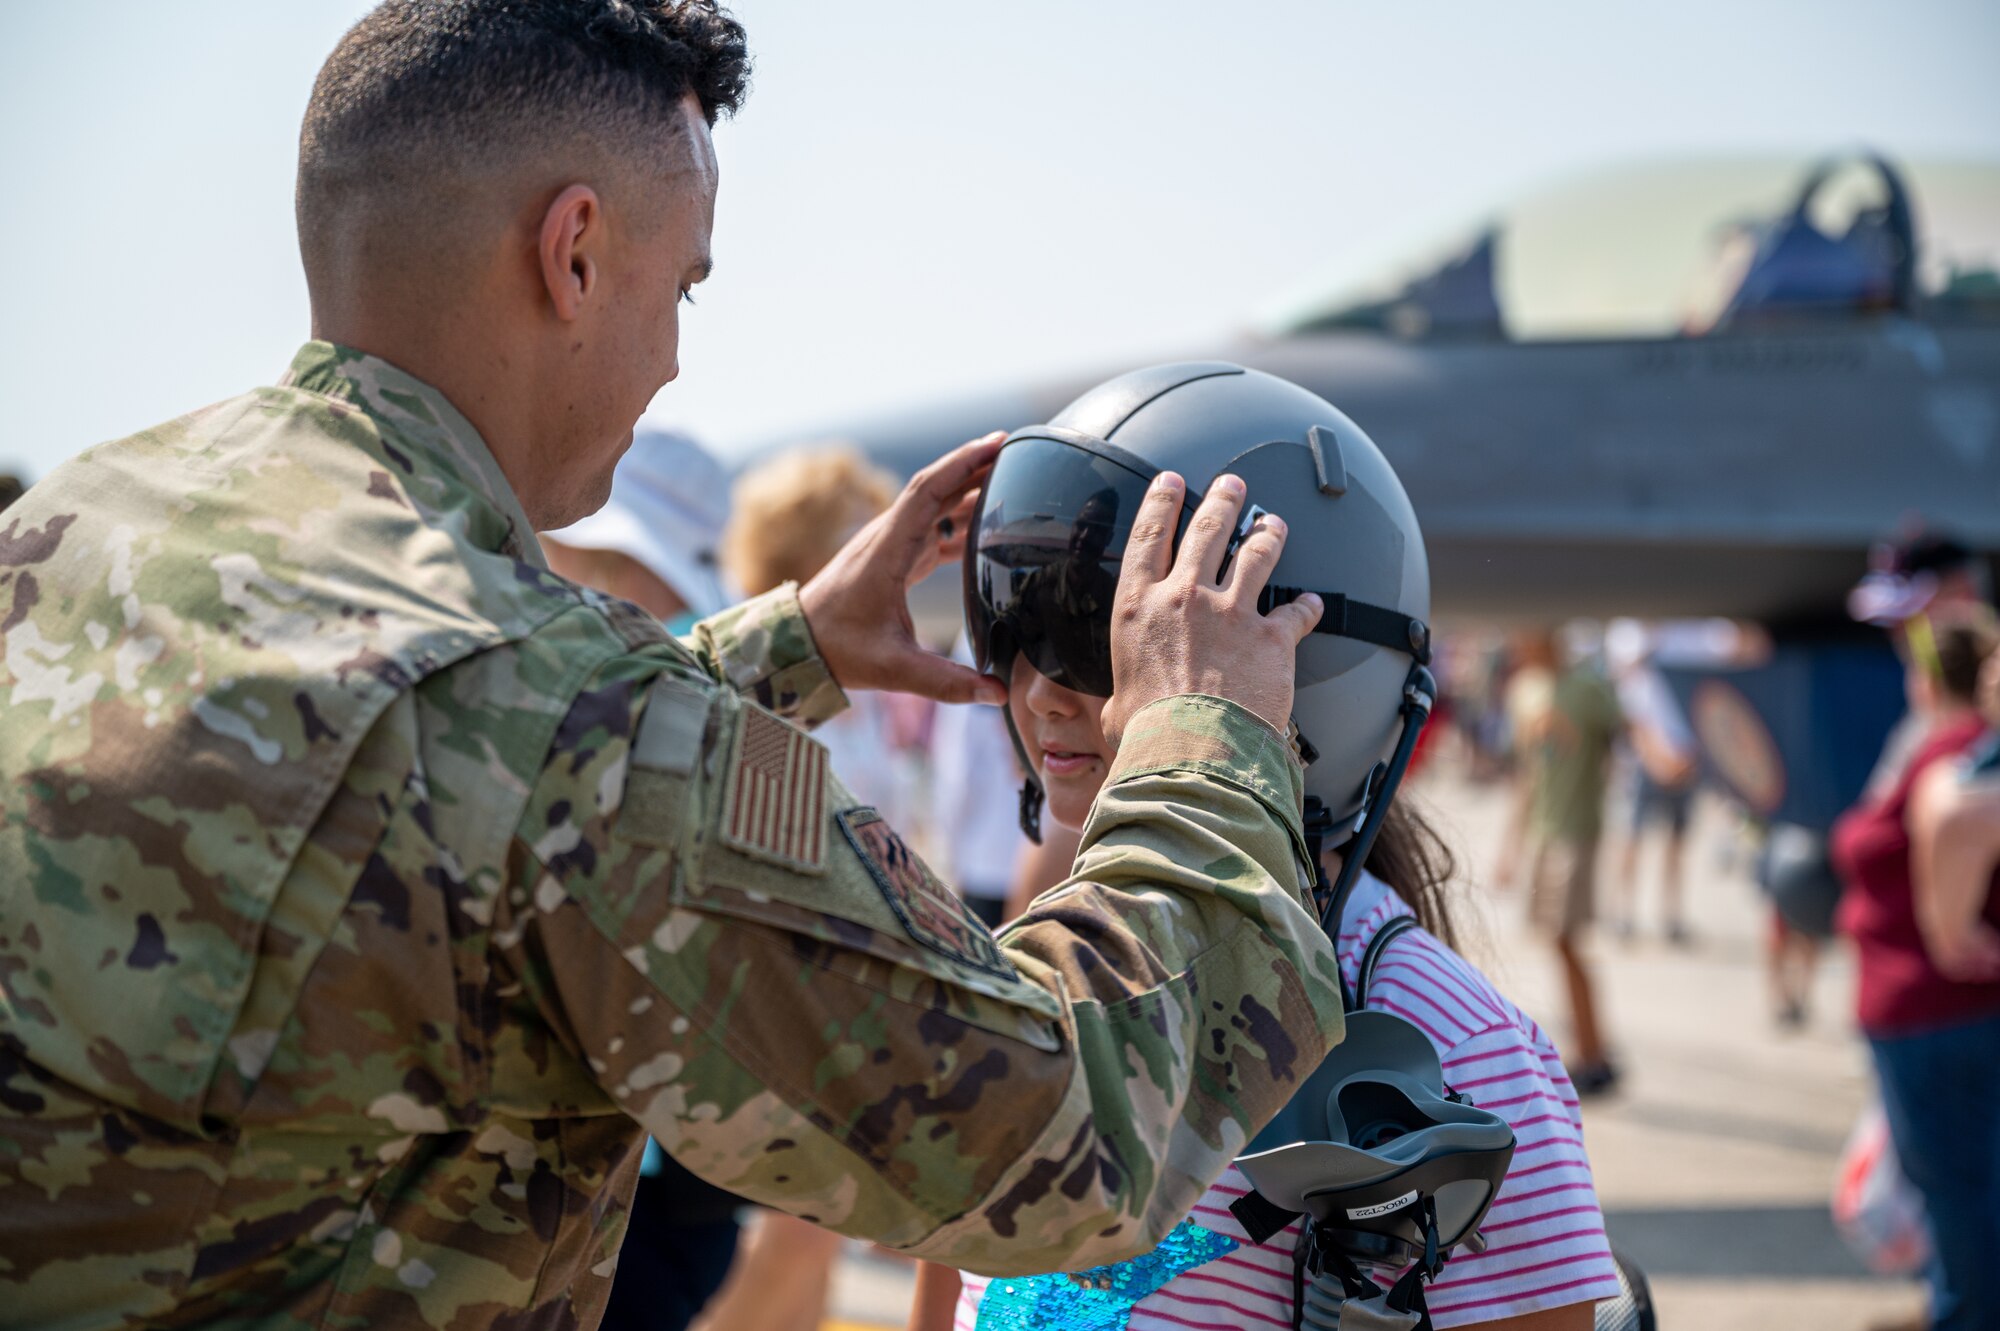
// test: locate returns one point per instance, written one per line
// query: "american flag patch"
(775, 808)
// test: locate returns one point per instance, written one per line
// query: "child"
(1547, 1259)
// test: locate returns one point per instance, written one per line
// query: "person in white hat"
(654, 541)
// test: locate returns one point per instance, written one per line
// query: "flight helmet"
(1042, 566)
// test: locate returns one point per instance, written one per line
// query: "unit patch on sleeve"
(932, 913)
(774, 802)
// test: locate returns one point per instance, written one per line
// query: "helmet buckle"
(1370, 789)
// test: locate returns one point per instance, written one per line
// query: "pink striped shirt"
(1545, 1234)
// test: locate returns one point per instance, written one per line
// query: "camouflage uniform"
(367, 892)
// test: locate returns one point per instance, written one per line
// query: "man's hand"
(858, 606)
(1176, 630)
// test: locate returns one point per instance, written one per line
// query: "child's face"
(1063, 732)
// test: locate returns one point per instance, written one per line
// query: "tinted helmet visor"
(1048, 538)
(1042, 568)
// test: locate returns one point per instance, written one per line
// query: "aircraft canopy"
(1689, 248)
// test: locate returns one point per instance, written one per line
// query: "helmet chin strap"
(1419, 696)
(1031, 809)
(1031, 789)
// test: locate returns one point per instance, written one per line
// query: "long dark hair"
(1410, 856)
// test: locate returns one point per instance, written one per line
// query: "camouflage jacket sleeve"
(763, 649)
(766, 977)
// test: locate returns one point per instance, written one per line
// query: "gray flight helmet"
(1351, 533)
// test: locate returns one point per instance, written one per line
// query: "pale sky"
(922, 198)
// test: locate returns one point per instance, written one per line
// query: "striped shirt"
(1545, 1233)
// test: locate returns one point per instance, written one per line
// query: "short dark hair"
(1962, 637)
(423, 87)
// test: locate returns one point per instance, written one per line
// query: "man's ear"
(572, 231)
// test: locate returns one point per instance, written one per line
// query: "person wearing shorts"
(1570, 755)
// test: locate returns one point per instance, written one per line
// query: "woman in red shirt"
(1935, 1037)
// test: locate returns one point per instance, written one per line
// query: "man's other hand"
(1176, 630)
(858, 606)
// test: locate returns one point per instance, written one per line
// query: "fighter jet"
(1693, 388)
(1686, 388)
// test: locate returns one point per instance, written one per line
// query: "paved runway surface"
(1715, 1157)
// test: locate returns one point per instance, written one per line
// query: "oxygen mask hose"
(1332, 1291)
(1419, 697)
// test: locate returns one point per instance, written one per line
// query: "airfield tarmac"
(1715, 1157)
